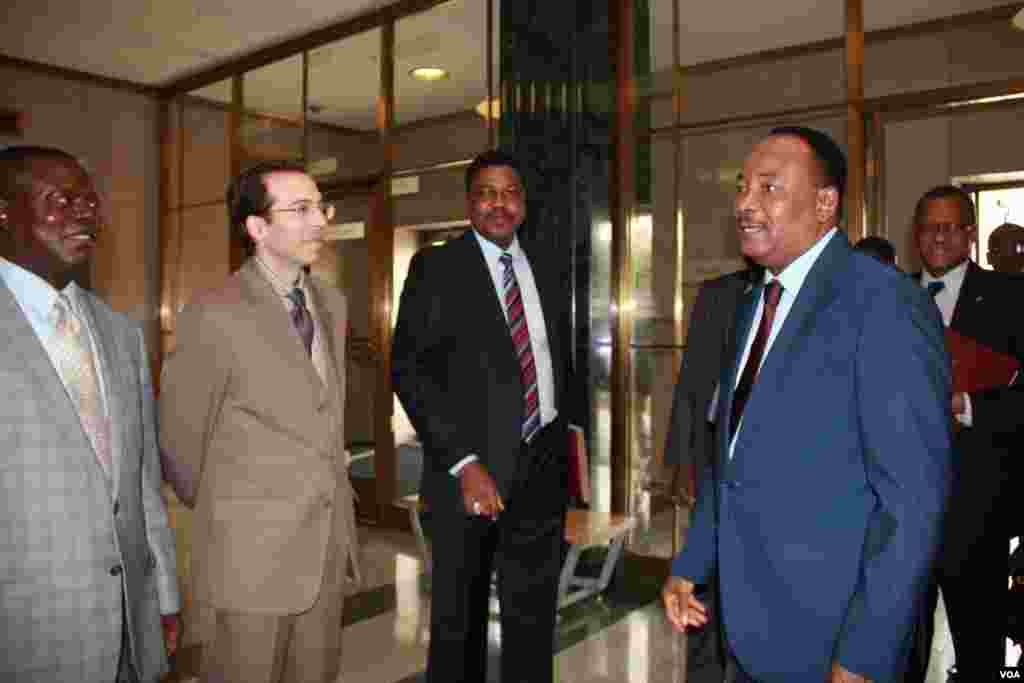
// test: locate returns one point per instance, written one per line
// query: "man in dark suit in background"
(983, 306)
(833, 442)
(878, 248)
(481, 365)
(689, 445)
(1006, 249)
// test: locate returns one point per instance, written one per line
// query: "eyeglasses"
(489, 195)
(946, 229)
(307, 211)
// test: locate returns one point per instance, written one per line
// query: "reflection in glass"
(342, 145)
(273, 117)
(452, 37)
(344, 84)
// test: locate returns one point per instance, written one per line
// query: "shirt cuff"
(966, 418)
(454, 471)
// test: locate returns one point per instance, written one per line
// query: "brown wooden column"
(621, 201)
(855, 146)
(238, 253)
(381, 247)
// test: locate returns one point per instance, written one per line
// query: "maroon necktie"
(772, 294)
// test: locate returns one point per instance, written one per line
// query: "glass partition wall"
(388, 148)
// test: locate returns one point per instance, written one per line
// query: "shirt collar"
(792, 276)
(282, 288)
(953, 279)
(35, 295)
(492, 252)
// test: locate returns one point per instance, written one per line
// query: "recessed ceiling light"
(1018, 20)
(428, 73)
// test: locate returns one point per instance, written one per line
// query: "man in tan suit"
(251, 413)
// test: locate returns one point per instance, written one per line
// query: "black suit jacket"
(988, 311)
(455, 368)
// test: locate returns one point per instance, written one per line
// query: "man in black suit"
(481, 365)
(689, 444)
(983, 306)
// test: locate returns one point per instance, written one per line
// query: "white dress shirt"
(792, 279)
(534, 323)
(946, 299)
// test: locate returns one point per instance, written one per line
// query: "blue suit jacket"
(825, 523)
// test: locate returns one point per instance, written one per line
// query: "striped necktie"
(73, 358)
(521, 339)
(301, 318)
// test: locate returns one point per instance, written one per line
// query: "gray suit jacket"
(73, 542)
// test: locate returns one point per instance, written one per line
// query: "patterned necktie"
(73, 357)
(521, 339)
(301, 318)
(772, 294)
(935, 287)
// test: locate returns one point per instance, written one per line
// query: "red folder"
(976, 366)
(579, 466)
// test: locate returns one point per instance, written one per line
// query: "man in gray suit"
(88, 562)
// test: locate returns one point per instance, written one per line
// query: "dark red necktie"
(772, 294)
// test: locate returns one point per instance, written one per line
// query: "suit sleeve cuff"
(169, 597)
(966, 418)
(457, 467)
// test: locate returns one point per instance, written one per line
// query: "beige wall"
(917, 153)
(114, 132)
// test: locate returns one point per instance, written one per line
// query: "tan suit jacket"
(257, 440)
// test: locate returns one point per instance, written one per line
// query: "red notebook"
(976, 366)
(579, 466)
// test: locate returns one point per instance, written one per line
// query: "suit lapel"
(107, 357)
(817, 292)
(491, 308)
(734, 350)
(970, 294)
(26, 353)
(274, 323)
(333, 356)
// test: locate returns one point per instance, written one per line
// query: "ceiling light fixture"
(1018, 20)
(428, 73)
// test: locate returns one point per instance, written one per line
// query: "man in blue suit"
(822, 512)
